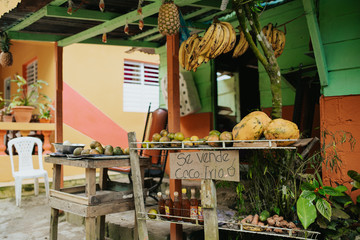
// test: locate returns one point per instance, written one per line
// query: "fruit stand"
(92, 201)
(208, 163)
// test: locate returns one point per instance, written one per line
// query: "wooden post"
(2, 145)
(55, 212)
(172, 44)
(90, 190)
(137, 188)
(209, 204)
(59, 100)
(100, 220)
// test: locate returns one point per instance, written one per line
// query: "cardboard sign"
(220, 165)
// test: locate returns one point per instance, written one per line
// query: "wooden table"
(91, 201)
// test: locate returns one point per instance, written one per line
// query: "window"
(30, 71)
(141, 86)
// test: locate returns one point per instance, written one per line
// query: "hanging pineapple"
(6, 58)
(168, 20)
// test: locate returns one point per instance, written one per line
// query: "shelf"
(239, 227)
(236, 145)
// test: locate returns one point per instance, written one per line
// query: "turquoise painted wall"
(339, 23)
(202, 78)
(297, 44)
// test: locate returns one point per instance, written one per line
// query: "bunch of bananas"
(219, 38)
(276, 38)
(242, 45)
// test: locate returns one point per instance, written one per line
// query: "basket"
(66, 149)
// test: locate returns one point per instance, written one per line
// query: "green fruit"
(100, 150)
(78, 151)
(164, 133)
(118, 151)
(85, 152)
(95, 144)
(144, 145)
(152, 212)
(94, 151)
(108, 146)
(156, 137)
(214, 132)
(109, 150)
(264, 215)
(165, 139)
(171, 136)
(126, 151)
(179, 136)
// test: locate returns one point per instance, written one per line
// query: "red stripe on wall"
(83, 116)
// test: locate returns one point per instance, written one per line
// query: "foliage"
(29, 95)
(45, 110)
(276, 179)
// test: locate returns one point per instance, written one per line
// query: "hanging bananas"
(276, 38)
(219, 38)
(242, 45)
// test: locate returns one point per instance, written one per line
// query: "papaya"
(251, 127)
(282, 129)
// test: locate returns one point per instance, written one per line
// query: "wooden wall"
(339, 23)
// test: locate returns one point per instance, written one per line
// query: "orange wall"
(342, 113)
(93, 77)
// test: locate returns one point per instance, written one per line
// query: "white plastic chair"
(24, 146)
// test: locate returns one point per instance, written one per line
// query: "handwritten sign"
(220, 165)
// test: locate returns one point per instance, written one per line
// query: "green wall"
(202, 78)
(339, 23)
(297, 44)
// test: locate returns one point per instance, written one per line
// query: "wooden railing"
(25, 128)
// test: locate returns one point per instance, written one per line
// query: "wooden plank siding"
(340, 30)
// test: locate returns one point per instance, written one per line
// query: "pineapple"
(168, 20)
(6, 58)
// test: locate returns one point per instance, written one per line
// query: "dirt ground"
(32, 221)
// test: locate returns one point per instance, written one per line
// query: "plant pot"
(43, 120)
(23, 113)
(7, 118)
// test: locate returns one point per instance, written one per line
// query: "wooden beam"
(196, 13)
(316, 41)
(210, 17)
(117, 22)
(212, 4)
(144, 34)
(172, 45)
(119, 42)
(80, 14)
(57, 2)
(34, 36)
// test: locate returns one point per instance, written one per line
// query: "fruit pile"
(97, 148)
(166, 139)
(275, 223)
(257, 123)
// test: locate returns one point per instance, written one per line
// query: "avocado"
(77, 151)
(118, 151)
(100, 149)
(109, 150)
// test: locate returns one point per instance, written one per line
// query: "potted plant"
(7, 114)
(45, 112)
(27, 98)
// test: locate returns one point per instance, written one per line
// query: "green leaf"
(341, 188)
(354, 175)
(356, 184)
(358, 199)
(316, 183)
(306, 212)
(276, 210)
(339, 213)
(332, 191)
(309, 195)
(322, 223)
(342, 199)
(307, 186)
(324, 208)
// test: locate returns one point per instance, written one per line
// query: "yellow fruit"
(282, 129)
(99, 149)
(85, 152)
(251, 126)
(164, 133)
(216, 132)
(126, 151)
(152, 212)
(94, 151)
(213, 137)
(78, 151)
(179, 136)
